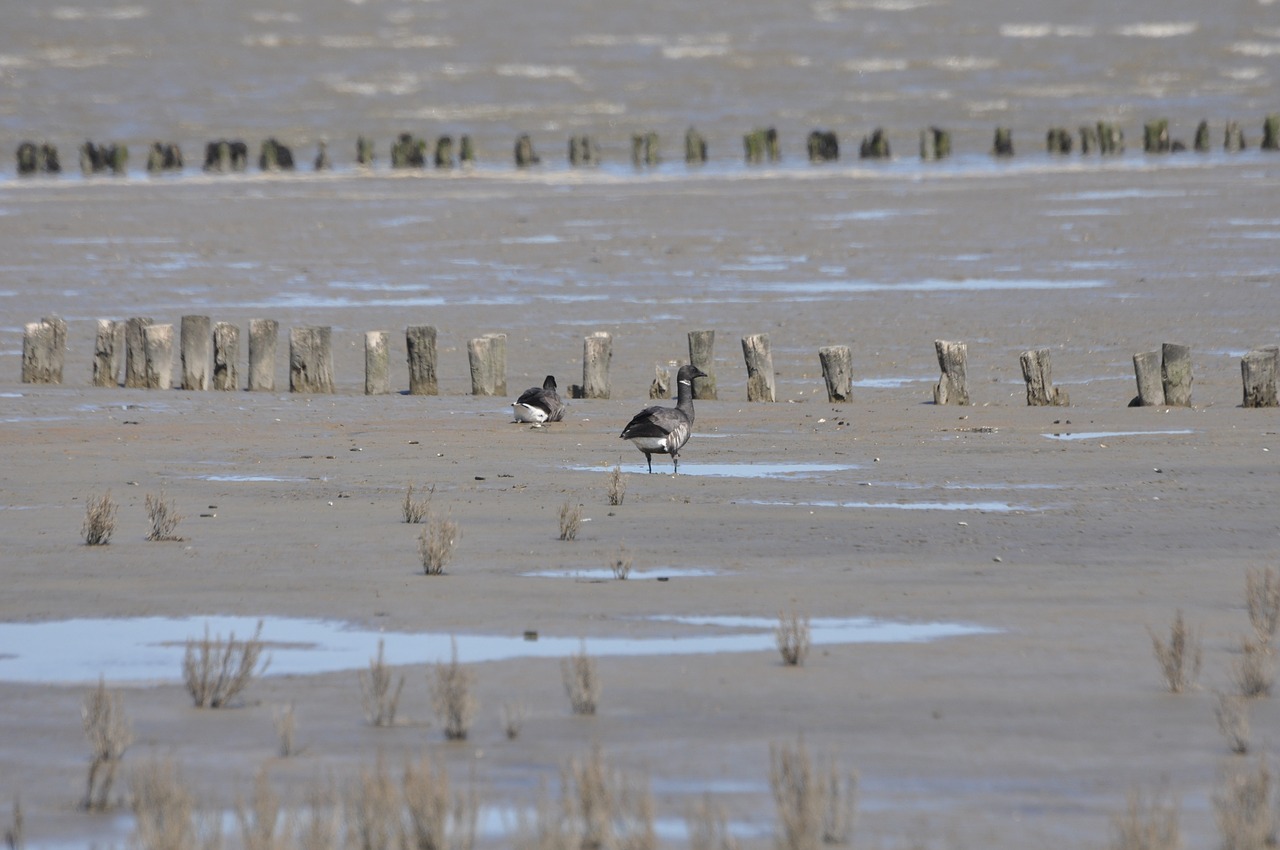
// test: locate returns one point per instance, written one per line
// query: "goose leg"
(649, 458)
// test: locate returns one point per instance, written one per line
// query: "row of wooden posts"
(208, 354)
(759, 145)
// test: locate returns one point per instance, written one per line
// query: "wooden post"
(226, 354)
(597, 354)
(1110, 139)
(837, 371)
(135, 359)
(1058, 140)
(1088, 139)
(466, 151)
(1003, 143)
(157, 345)
(407, 151)
(935, 143)
(759, 358)
(377, 363)
(487, 356)
(875, 146)
(262, 354)
(43, 344)
(953, 359)
(1233, 138)
(1175, 374)
(420, 340)
(1202, 143)
(108, 350)
(364, 151)
(823, 146)
(695, 147)
(583, 151)
(197, 352)
(1146, 367)
(1038, 373)
(661, 385)
(1258, 370)
(1155, 136)
(311, 359)
(702, 354)
(644, 149)
(525, 155)
(1271, 132)
(444, 152)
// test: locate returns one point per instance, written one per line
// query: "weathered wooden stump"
(761, 144)
(95, 159)
(274, 156)
(837, 372)
(108, 352)
(487, 357)
(226, 354)
(644, 149)
(759, 358)
(875, 146)
(583, 151)
(524, 152)
(1258, 372)
(408, 152)
(443, 157)
(157, 345)
(1233, 140)
(44, 345)
(953, 360)
(164, 156)
(1175, 374)
(420, 343)
(364, 151)
(1155, 136)
(702, 354)
(135, 352)
(597, 355)
(1088, 139)
(377, 363)
(28, 158)
(322, 162)
(935, 143)
(38, 159)
(660, 387)
(1271, 132)
(226, 155)
(1038, 373)
(1202, 143)
(263, 335)
(311, 359)
(823, 146)
(1058, 140)
(1110, 139)
(196, 345)
(466, 151)
(1146, 368)
(695, 147)
(1002, 144)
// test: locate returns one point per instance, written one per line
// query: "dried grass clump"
(1243, 809)
(421, 813)
(570, 521)
(1232, 713)
(99, 520)
(1180, 658)
(581, 681)
(512, 715)
(380, 700)
(164, 519)
(1255, 670)
(1146, 825)
(110, 734)
(416, 510)
(600, 808)
(259, 820)
(216, 671)
(621, 564)
(286, 723)
(793, 637)
(617, 488)
(708, 826)
(319, 825)
(436, 544)
(163, 808)
(453, 697)
(1262, 599)
(812, 810)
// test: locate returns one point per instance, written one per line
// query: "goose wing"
(651, 422)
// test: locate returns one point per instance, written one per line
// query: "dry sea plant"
(319, 825)
(217, 670)
(1145, 825)
(110, 734)
(286, 723)
(793, 637)
(708, 826)
(453, 696)
(617, 486)
(570, 520)
(1243, 809)
(599, 808)
(1255, 670)
(1180, 658)
(164, 519)
(581, 682)
(812, 810)
(436, 544)
(1232, 712)
(512, 715)
(259, 819)
(621, 564)
(380, 700)
(14, 835)
(421, 813)
(416, 510)
(163, 808)
(99, 520)
(1262, 600)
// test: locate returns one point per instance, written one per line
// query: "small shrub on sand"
(1262, 600)
(110, 734)
(163, 808)
(621, 564)
(422, 812)
(286, 723)
(570, 521)
(1232, 712)
(259, 819)
(453, 697)
(617, 487)
(812, 810)
(1179, 658)
(1145, 825)
(581, 681)
(217, 670)
(793, 636)
(416, 510)
(1243, 809)
(1255, 670)
(600, 807)
(436, 544)
(512, 715)
(379, 698)
(99, 520)
(164, 519)
(708, 826)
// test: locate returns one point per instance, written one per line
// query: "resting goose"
(664, 430)
(539, 404)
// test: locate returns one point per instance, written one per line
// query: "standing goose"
(664, 430)
(539, 404)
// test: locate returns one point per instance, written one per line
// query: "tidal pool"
(1106, 435)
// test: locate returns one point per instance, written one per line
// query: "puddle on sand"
(1107, 435)
(983, 507)
(150, 649)
(739, 470)
(254, 478)
(657, 573)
